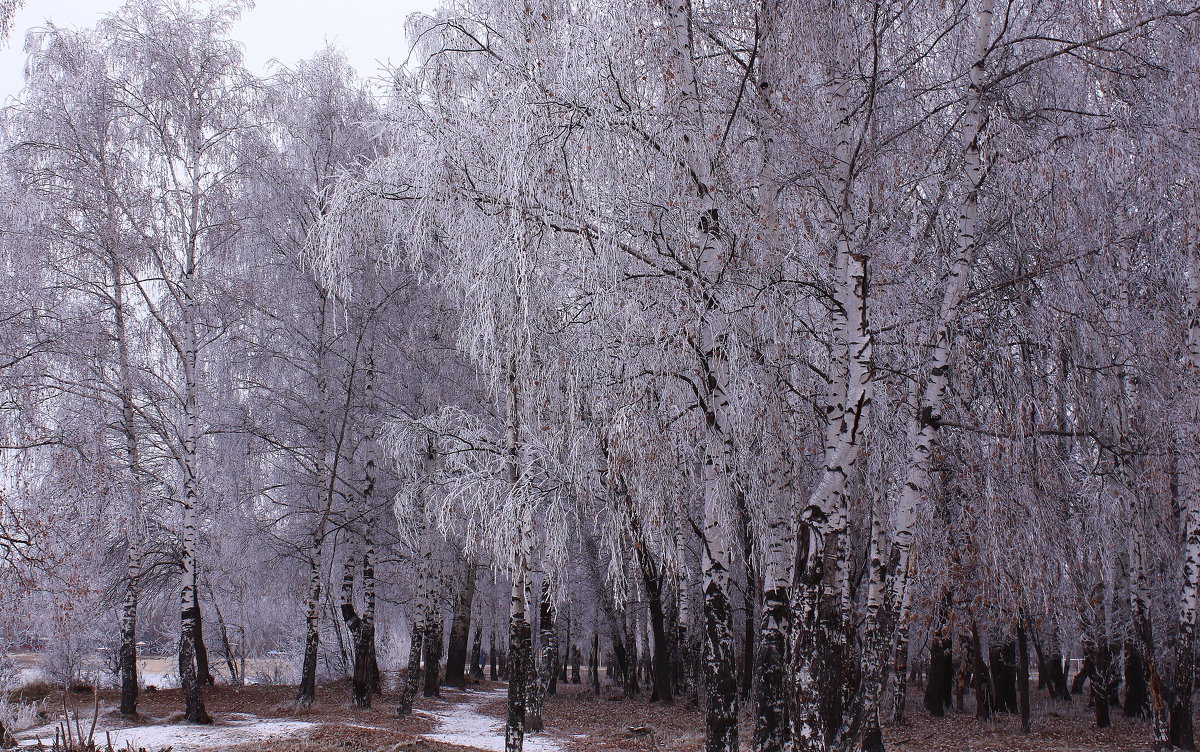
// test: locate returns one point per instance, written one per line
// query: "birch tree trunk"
(412, 675)
(543, 667)
(128, 654)
(312, 617)
(324, 480)
(367, 679)
(520, 636)
(820, 602)
(861, 728)
(770, 688)
(771, 720)
(1144, 690)
(420, 621)
(1182, 734)
(684, 670)
(900, 695)
(362, 632)
(133, 562)
(925, 420)
(194, 711)
(661, 656)
(720, 661)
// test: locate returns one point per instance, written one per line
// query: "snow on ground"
(465, 726)
(239, 728)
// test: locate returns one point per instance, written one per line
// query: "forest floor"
(264, 719)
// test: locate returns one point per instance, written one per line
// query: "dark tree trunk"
(771, 722)
(983, 682)
(1052, 673)
(203, 673)
(624, 666)
(1137, 695)
(542, 670)
(494, 674)
(366, 672)
(433, 657)
(1143, 644)
(235, 676)
(1023, 675)
(362, 635)
(549, 635)
(720, 672)
(1003, 658)
(460, 629)
(652, 578)
(519, 664)
(594, 664)
(837, 676)
(312, 633)
(1182, 732)
(962, 675)
(564, 658)
(477, 654)
(686, 665)
(128, 656)
(750, 627)
(1085, 672)
(632, 685)
(412, 675)
(193, 698)
(576, 659)
(1101, 683)
(900, 694)
(940, 687)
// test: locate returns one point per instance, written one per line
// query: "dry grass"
(342, 738)
(1056, 727)
(587, 724)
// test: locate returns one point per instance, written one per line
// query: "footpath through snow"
(465, 726)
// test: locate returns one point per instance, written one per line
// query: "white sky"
(368, 31)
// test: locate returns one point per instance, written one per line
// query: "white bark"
(923, 426)
(721, 733)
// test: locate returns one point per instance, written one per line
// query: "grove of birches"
(784, 359)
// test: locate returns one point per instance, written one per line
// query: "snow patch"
(184, 737)
(465, 726)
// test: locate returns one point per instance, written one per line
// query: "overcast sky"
(368, 31)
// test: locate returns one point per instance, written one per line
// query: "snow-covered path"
(465, 726)
(238, 729)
